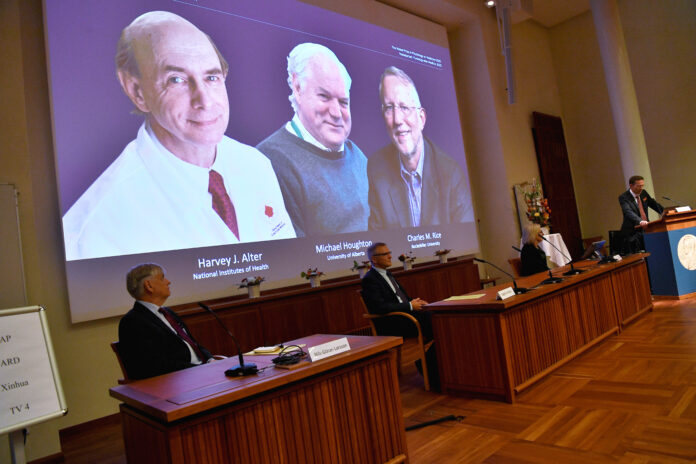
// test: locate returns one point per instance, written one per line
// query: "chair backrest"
(366, 313)
(516, 265)
(125, 379)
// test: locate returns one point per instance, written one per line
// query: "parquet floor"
(630, 400)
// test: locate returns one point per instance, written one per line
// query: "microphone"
(242, 369)
(517, 289)
(516, 249)
(572, 270)
(676, 202)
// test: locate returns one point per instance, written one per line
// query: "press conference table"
(345, 408)
(494, 348)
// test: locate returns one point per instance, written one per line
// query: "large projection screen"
(94, 122)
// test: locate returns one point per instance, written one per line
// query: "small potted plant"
(361, 268)
(407, 259)
(313, 276)
(442, 254)
(253, 285)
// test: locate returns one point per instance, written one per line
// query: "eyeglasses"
(406, 111)
(382, 254)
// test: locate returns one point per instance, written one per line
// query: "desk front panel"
(499, 348)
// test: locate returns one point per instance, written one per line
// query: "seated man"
(383, 294)
(152, 339)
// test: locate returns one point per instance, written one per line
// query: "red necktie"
(221, 202)
(184, 336)
(640, 208)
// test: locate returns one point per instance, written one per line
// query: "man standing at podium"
(634, 206)
(152, 339)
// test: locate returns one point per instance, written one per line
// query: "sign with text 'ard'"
(30, 389)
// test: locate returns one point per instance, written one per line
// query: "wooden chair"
(412, 348)
(516, 265)
(125, 379)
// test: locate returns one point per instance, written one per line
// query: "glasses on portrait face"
(406, 111)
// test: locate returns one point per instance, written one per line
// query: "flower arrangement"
(442, 252)
(357, 267)
(251, 281)
(407, 257)
(311, 273)
(538, 210)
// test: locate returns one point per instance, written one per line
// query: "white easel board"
(30, 388)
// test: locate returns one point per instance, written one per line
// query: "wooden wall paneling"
(343, 311)
(244, 323)
(465, 281)
(285, 314)
(293, 317)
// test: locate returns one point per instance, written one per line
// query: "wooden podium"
(671, 242)
(345, 408)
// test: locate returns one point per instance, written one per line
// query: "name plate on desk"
(506, 293)
(682, 209)
(326, 350)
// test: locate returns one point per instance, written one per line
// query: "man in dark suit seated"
(152, 339)
(383, 294)
(634, 205)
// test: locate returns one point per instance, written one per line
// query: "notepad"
(275, 349)
(466, 297)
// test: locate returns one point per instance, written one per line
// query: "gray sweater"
(325, 192)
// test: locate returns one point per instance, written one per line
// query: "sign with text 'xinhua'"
(30, 389)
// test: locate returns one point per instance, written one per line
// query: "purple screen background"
(93, 121)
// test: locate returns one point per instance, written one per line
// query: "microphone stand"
(676, 202)
(572, 270)
(241, 369)
(551, 279)
(518, 290)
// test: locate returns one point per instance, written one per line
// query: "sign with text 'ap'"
(30, 389)
(326, 350)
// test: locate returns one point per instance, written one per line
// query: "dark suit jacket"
(149, 348)
(381, 299)
(533, 260)
(444, 197)
(631, 214)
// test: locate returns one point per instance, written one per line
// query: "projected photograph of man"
(322, 173)
(412, 182)
(181, 183)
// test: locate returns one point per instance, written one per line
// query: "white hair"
(299, 60)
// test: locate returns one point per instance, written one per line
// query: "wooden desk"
(499, 348)
(346, 408)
